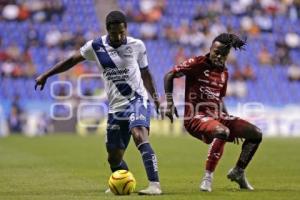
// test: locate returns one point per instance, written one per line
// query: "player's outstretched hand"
(171, 110)
(40, 81)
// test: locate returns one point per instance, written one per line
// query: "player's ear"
(107, 27)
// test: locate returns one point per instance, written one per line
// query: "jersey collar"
(208, 61)
(108, 41)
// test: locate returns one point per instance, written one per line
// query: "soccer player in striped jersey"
(123, 64)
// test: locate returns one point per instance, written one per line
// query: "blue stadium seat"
(264, 89)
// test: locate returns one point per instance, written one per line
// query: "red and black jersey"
(205, 85)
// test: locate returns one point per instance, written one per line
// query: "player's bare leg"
(253, 138)
(140, 136)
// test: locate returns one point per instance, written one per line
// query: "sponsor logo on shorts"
(113, 127)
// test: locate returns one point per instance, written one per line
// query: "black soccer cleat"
(239, 177)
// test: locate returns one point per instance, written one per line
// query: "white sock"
(209, 173)
(154, 183)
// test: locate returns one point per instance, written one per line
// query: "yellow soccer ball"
(122, 182)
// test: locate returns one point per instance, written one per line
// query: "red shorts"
(202, 127)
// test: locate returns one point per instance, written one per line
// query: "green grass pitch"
(73, 167)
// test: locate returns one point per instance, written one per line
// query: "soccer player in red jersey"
(205, 115)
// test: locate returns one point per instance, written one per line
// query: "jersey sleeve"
(186, 67)
(142, 55)
(87, 51)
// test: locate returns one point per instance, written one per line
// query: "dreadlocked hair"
(231, 40)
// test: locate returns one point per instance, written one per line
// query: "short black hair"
(230, 40)
(115, 17)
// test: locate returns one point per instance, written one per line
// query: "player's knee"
(221, 132)
(139, 134)
(257, 135)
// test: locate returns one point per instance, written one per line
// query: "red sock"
(215, 152)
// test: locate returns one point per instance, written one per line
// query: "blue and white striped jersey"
(120, 69)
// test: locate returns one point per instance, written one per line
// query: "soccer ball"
(122, 182)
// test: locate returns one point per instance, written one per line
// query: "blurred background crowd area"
(36, 34)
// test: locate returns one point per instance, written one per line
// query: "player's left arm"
(150, 87)
(223, 94)
(147, 76)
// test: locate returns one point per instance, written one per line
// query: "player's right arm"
(58, 68)
(185, 68)
(85, 53)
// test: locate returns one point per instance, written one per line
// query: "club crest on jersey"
(128, 50)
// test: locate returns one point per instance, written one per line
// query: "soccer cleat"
(206, 183)
(239, 177)
(152, 189)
